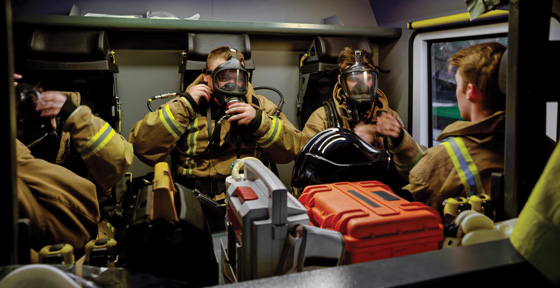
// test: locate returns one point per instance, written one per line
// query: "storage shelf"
(166, 31)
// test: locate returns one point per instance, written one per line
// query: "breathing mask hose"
(280, 103)
(160, 96)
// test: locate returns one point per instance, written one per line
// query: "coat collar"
(480, 132)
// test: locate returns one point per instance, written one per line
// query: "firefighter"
(217, 120)
(472, 149)
(80, 141)
(356, 100)
(61, 206)
(537, 231)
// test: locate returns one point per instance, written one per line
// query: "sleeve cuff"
(191, 101)
(395, 142)
(254, 125)
(66, 110)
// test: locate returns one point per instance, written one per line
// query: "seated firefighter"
(356, 100)
(71, 135)
(218, 119)
(472, 149)
(60, 205)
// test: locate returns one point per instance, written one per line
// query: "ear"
(206, 77)
(473, 94)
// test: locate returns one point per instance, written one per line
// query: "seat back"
(78, 61)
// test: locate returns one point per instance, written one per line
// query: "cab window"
(442, 99)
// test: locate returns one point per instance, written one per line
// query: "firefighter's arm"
(276, 135)
(106, 153)
(157, 133)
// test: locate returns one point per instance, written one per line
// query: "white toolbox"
(260, 210)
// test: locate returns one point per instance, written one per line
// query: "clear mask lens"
(359, 83)
(232, 81)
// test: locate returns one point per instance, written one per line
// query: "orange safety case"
(375, 222)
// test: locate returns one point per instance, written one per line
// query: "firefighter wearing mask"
(356, 100)
(217, 120)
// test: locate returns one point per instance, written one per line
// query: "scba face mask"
(359, 84)
(230, 80)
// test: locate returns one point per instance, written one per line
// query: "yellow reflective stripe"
(191, 166)
(184, 171)
(166, 117)
(464, 165)
(97, 142)
(192, 142)
(192, 137)
(273, 133)
(456, 165)
(188, 163)
(471, 165)
(408, 166)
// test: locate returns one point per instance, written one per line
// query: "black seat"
(78, 61)
(199, 45)
(318, 72)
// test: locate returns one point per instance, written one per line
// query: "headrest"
(503, 73)
(200, 44)
(68, 45)
(326, 49)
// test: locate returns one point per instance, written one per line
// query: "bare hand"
(50, 103)
(243, 113)
(16, 76)
(389, 126)
(200, 91)
(367, 133)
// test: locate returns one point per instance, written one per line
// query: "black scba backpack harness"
(214, 135)
(333, 117)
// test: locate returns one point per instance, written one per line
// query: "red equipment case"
(375, 222)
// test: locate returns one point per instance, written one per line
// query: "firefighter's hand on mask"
(387, 125)
(50, 102)
(242, 113)
(49, 105)
(200, 91)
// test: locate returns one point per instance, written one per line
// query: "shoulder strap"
(333, 119)
(255, 101)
